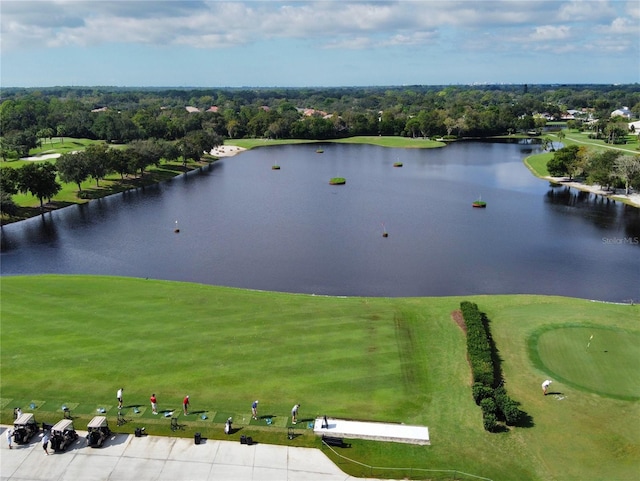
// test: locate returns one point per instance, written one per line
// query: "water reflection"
(245, 225)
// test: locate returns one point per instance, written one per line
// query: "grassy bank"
(382, 141)
(538, 163)
(75, 340)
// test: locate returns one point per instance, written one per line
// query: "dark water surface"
(243, 224)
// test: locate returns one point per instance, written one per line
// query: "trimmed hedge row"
(494, 401)
(478, 347)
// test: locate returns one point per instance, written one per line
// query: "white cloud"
(585, 10)
(633, 9)
(546, 33)
(324, 24)
(621, 26)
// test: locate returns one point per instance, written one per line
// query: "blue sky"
(324, 43)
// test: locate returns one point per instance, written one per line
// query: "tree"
(46, 133)
(22, 141)
(143, 153)
(616, 132)
(5, 148)
(600, 167)
(412, 127)
(118, 161)
(626, 168)
(449, 124)
(60, 132)
(9, 178)
(73, 167)
(564, 161)
(7, 205)
(96, 156)
(39, 179)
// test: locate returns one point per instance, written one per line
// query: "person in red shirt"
(185, 405)
(154, 404)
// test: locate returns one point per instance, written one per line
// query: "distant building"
(623, 112)
(634, 126)
(313, 112)
(101, 109)
(213, 108)
(192, 110)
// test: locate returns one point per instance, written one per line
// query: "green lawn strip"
(395, 142)
(252, 143)
(78, 338)
(582, 138)
(382, 141)
(538, 163)
(62, 145)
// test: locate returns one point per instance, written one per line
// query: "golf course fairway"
(73, 341)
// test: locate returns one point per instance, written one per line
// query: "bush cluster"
(494, 401)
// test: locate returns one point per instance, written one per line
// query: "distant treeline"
(120, 115)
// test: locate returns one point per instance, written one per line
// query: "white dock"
(397, 433)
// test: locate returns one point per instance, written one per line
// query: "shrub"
(512, 412)
(480, 392)
(490, 422)
(488, 406)
(507, 406)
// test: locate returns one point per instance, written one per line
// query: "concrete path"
(127, 458)
(390, 432)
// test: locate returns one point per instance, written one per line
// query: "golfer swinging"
(545, 386)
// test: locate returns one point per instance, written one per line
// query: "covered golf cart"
(24, 427)
(98, 431)
(62, 435)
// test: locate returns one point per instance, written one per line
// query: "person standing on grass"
(545, 386)
(119, 397)
(294, 413)
(10, 438)
(254, 409)
(45, 442)
(154, 404)
(185, 405)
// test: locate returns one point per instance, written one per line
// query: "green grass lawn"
(538, 163)
(62, 145)
(74, 340)
(396, 142)
(596, 359)
(382, 141)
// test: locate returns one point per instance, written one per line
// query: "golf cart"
(62, 435)
(98, 431)
(24, 427)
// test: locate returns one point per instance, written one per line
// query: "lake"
(243, 224)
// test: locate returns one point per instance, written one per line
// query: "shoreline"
(632, 199)
(223, 151)
(226, 150)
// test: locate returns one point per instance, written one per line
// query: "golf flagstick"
(589, 343)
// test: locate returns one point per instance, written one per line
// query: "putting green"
(606, 364)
